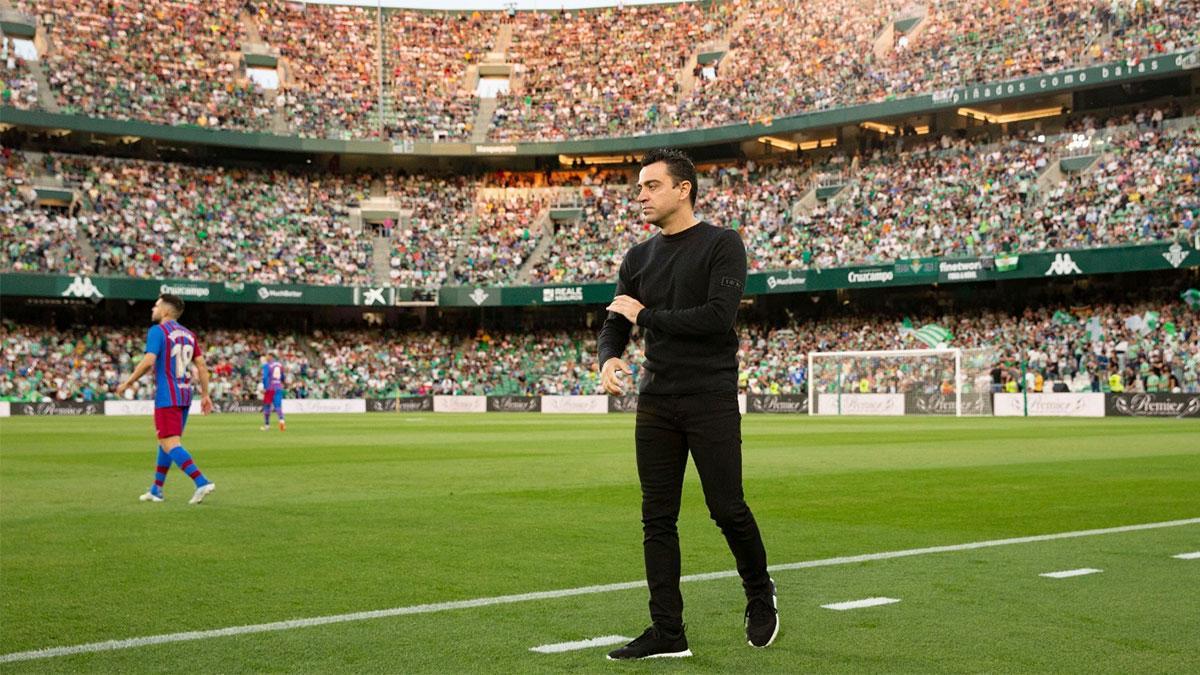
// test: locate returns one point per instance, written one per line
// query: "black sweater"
(691, 284)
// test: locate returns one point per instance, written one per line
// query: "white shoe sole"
(202, 492)
(667, 655)
(147, 497)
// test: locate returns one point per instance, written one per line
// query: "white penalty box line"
(130, 643)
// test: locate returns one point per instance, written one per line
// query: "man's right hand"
(610, 376)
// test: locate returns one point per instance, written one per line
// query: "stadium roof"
(497, 5)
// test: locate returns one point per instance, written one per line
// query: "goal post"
(900, 382)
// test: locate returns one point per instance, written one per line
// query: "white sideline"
(1188, 556)
(1067, 574)
(129, 643)
(560, 647)
(859, 604)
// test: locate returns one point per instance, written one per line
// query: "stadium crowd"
(508, 231)
(169, 61)
(426, 66)
(1147, 345)
(167, 220)
(18, 88)
(329, 85)
(433, 224)
(608, 72)
(581, 74)
(950, 197)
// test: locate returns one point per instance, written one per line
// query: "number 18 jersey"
(173, 347)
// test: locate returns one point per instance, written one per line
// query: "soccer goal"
(947, 381)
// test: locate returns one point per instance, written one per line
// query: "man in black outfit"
(683, 287)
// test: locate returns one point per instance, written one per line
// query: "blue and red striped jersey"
(173, 347)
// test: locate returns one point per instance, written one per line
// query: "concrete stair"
(381, 254)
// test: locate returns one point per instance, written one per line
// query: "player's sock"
(162, 465)
(279, 412)
(184, 460)
(267, 415)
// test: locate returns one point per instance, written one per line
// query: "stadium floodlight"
(900, 382)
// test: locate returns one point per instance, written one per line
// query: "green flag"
(1007, 263)
(1192, 298)
(1094, 329)
(1062, 318)
(933, 335)
(906, 327)
(1150, 321)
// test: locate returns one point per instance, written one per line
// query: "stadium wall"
(912, 272)
(1084, 404)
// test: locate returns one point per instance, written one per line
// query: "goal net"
(902, 382)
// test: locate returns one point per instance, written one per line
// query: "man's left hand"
(626, 307)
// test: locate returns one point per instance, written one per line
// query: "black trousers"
(710, 426)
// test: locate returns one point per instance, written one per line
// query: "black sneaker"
(762, 619)
(653, 644)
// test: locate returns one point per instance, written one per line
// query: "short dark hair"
(679, 167)
(174, 301)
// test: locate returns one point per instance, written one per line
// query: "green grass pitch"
(351, 513)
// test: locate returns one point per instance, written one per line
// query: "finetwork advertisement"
(964, 270)
(1049, 405)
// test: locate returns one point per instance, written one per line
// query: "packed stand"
(235, 358)
(330, 84)
(35, 239)
(425, 62)
(1078, 347)
(1148, 345)
(435, 215)
(786, 57)
(18, 87)
(160, 220)
(1144, 187)
(169, 62)
(599, 73)
(957, 43)
(590, 248)
(508, 231)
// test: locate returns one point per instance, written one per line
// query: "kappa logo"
(82, 287)
(479, 296)
(1176, 255)
(1063, 265)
